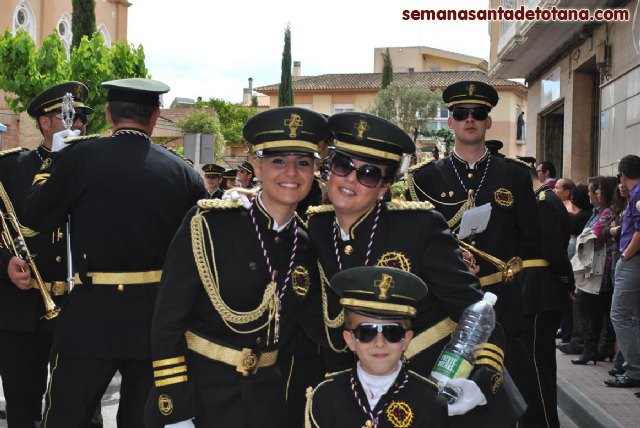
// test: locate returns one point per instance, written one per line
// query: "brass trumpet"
(508, 269)
(18, 247)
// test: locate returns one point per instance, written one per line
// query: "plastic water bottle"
(457, 358)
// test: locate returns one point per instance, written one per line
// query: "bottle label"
(451, 365)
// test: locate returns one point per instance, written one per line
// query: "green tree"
(285, 92)
(83, 20)
(201, 121)
(407, 105)
(444, 136)
(232, 118)
(26, 71)
(387, 70)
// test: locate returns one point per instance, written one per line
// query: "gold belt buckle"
(248, 363)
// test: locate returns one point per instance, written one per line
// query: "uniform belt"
(245, 361)
(429, 337)
(55, 288)
(122, 278)
(496, 277)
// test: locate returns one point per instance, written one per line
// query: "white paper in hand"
(474, 220)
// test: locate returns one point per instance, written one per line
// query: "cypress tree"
(83, 20)
(387, 70)
(285, 93)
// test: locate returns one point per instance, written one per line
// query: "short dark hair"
(580, 197)
(136, 112)
(568, 185)
(550, 167)
(630, 166)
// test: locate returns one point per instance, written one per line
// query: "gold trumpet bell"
(511, 269)
(51, 313)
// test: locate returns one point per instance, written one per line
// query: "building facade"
(584, 84)
(40, 18)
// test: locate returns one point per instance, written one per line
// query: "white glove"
(235, 196)
(59, 137)
(184, 424)
(469, 396)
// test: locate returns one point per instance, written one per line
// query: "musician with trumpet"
(33, 269)
(471, 177)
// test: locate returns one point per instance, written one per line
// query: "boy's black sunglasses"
(366, 332)
(368, 175)
(462, 113)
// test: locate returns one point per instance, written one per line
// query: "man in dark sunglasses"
(25, 337)
(470, 177)
(379, 390)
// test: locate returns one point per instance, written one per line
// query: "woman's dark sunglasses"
(368, 175)
(462, 113)
(366, 332)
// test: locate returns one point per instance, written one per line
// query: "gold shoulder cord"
(338, 321)
(466, 204)
(211, 285)
(28, 233)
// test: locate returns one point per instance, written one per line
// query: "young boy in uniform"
(379, 391)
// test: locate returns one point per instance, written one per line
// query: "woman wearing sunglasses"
(235, 287)
(358, 229)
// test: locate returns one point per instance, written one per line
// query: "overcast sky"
(210, 48)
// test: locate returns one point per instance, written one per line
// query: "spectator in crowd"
(570, 324)
(612, 236)
(547, 174)
(625, 307)
(596, 291)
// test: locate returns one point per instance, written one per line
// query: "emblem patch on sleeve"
(165, 404)
(496, 382)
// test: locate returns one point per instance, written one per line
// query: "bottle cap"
(490, 298)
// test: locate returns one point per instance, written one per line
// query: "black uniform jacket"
(126, 197)
(514, 226)
(410, 402)
(413, 237)
(235, 256)
(546, 289)
(21, 310)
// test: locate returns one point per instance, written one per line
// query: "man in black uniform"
(126, 197)
(545, 291)
(25, 336)
(246, 175)
(470, 177)
(212, 178)
(229, 179)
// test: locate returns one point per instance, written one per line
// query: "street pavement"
(583, 399)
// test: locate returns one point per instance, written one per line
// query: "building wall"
(616, 113)
(419, 59)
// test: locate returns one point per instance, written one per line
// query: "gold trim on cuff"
(169, 372)
(489, 362)
(168, 362)
(171, 381)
